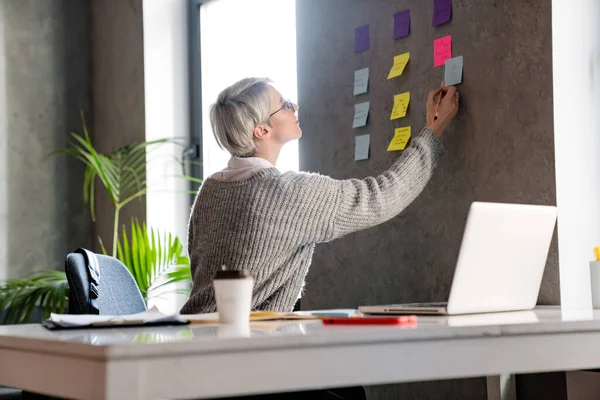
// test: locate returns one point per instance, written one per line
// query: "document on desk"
(149, 317)
(255, 316)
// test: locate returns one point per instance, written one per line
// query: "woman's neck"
(270, 154)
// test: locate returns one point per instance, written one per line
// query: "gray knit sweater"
(271, 222)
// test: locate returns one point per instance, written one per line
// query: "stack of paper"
(152, 316)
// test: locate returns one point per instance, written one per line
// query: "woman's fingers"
(450, 91)
(432, 95)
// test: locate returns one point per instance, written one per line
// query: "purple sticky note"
(361, 39)
(401, 24)
(442, 11)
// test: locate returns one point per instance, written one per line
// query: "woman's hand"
(443, 101)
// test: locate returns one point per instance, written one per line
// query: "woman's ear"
(262, 131)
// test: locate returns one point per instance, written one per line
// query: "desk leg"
(501, 387)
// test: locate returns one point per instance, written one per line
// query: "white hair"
(239, 108)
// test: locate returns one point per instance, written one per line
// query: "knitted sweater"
(271, 222)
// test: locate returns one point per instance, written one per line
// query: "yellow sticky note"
(401, 102)
(401, 136)
(400, 62)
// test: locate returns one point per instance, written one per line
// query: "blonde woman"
(251, 216)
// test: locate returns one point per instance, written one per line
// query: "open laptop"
(500, 264)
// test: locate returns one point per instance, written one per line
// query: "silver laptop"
(500, 264)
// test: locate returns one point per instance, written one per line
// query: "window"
(239, 39)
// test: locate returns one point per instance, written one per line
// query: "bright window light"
(240, 39)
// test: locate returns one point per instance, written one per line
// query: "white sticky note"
(453, 72)
(361, 149)
(361, 112)
(361, 81)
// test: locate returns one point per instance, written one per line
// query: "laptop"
(500, 264)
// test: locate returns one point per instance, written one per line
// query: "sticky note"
(361, 149)
(401, 24)
(453, 72)
(442, 12)
(401, 102)
(361, 39)
(361, 81)
(400, 62)
(442, 50)
(400, 139)
(361, 112)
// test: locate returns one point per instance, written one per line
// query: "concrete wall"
(118, 94)
(57, 58)
(45, 81)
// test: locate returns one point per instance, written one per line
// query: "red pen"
(403, 320)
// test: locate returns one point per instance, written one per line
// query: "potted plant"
(155, 258)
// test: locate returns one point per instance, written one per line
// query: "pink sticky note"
(442, 50)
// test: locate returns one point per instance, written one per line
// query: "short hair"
(237, 111)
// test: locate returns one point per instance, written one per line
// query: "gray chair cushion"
(118, 292)
(9, 393)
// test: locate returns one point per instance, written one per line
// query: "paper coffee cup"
(595, 282)
(233, 291)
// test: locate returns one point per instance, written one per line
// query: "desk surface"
(109, 343)
(165, 362)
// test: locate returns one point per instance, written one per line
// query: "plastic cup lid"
(233, 274)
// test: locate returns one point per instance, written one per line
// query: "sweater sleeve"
(352, 205)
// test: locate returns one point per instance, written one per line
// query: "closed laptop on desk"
(500, 263)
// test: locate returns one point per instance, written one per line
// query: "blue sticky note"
(361, 151)
(453, 72)
(361, 39)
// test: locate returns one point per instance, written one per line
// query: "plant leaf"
(19, 297)
(154, 257)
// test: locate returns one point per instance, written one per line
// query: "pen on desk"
(437, 107)
(410, 320)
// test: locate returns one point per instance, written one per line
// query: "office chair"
(100, 284)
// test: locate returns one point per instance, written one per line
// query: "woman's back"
(265, 224)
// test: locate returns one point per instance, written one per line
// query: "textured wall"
(45, 67)
(118, 93)
(500, 148)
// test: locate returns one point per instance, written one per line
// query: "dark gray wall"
(118, 96)
(500, 148)
(46, 70)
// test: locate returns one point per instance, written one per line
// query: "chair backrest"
(118, 293)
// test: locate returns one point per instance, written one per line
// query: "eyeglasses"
(287, 105)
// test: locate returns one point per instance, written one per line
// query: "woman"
(250, 216)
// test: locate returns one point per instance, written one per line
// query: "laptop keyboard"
(416, 305)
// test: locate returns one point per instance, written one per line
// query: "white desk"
(197, 361)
